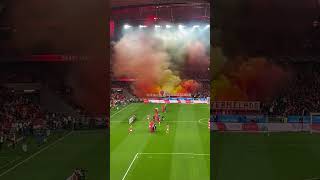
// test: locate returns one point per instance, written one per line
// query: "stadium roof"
(177, 10)
(128, 3)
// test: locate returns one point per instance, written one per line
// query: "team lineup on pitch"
(181, 153)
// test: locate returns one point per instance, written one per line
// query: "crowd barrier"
(177, 100)
(306, 119)
(262, 123)
(240, 118)
(264, 119)
(265, 127)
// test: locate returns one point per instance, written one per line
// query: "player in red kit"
(151, 126)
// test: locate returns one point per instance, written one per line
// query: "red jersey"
(151, 126)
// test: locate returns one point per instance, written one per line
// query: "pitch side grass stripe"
(35, 154)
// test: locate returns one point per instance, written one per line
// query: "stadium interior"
(51, 112)
(167, 23)
(264, 89)
(267, 58)
(160, 78)
(197, 89)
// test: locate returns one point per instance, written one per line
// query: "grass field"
(294, 156)
(58, 158)
(183, 154)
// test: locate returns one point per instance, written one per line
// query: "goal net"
(314, 123)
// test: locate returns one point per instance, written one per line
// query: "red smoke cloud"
(197, 57)
(250, 79)
(154, 64)
(189, 86)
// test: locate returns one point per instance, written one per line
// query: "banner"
(177, 100)
(166, 94)
(241, 118)
(264, 127)
(236, 105)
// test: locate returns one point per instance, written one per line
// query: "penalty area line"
(193, 154)
(35, 154)
(120, 110)
(125, 175)
(137, 154)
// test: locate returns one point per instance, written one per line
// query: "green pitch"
(58, 157)
(280, 156)
(183, 153)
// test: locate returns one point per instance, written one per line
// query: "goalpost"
(314, 122)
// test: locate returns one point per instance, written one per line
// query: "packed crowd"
(121, 94)
(118, 98)
(21, 116)
(18, 112)
(301, 97)
(203, 91)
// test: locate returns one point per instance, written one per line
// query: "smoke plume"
(243, 78)
(157, 61)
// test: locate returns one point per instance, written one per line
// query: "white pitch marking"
(35, 154)
(193, 154)
(167, 121)
(135, 157)
(120, 110)
(203, 122)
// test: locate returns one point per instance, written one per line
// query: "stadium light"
(156, 27)
(126, 26)
(142, 26)
(168, 26)
(207, 26)
(195, 26)
(181, 26)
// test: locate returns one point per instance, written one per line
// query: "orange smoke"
(249, 79)
(155, 63)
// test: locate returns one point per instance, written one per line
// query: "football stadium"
(265, 90)
(159, 119)
(52, 117)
